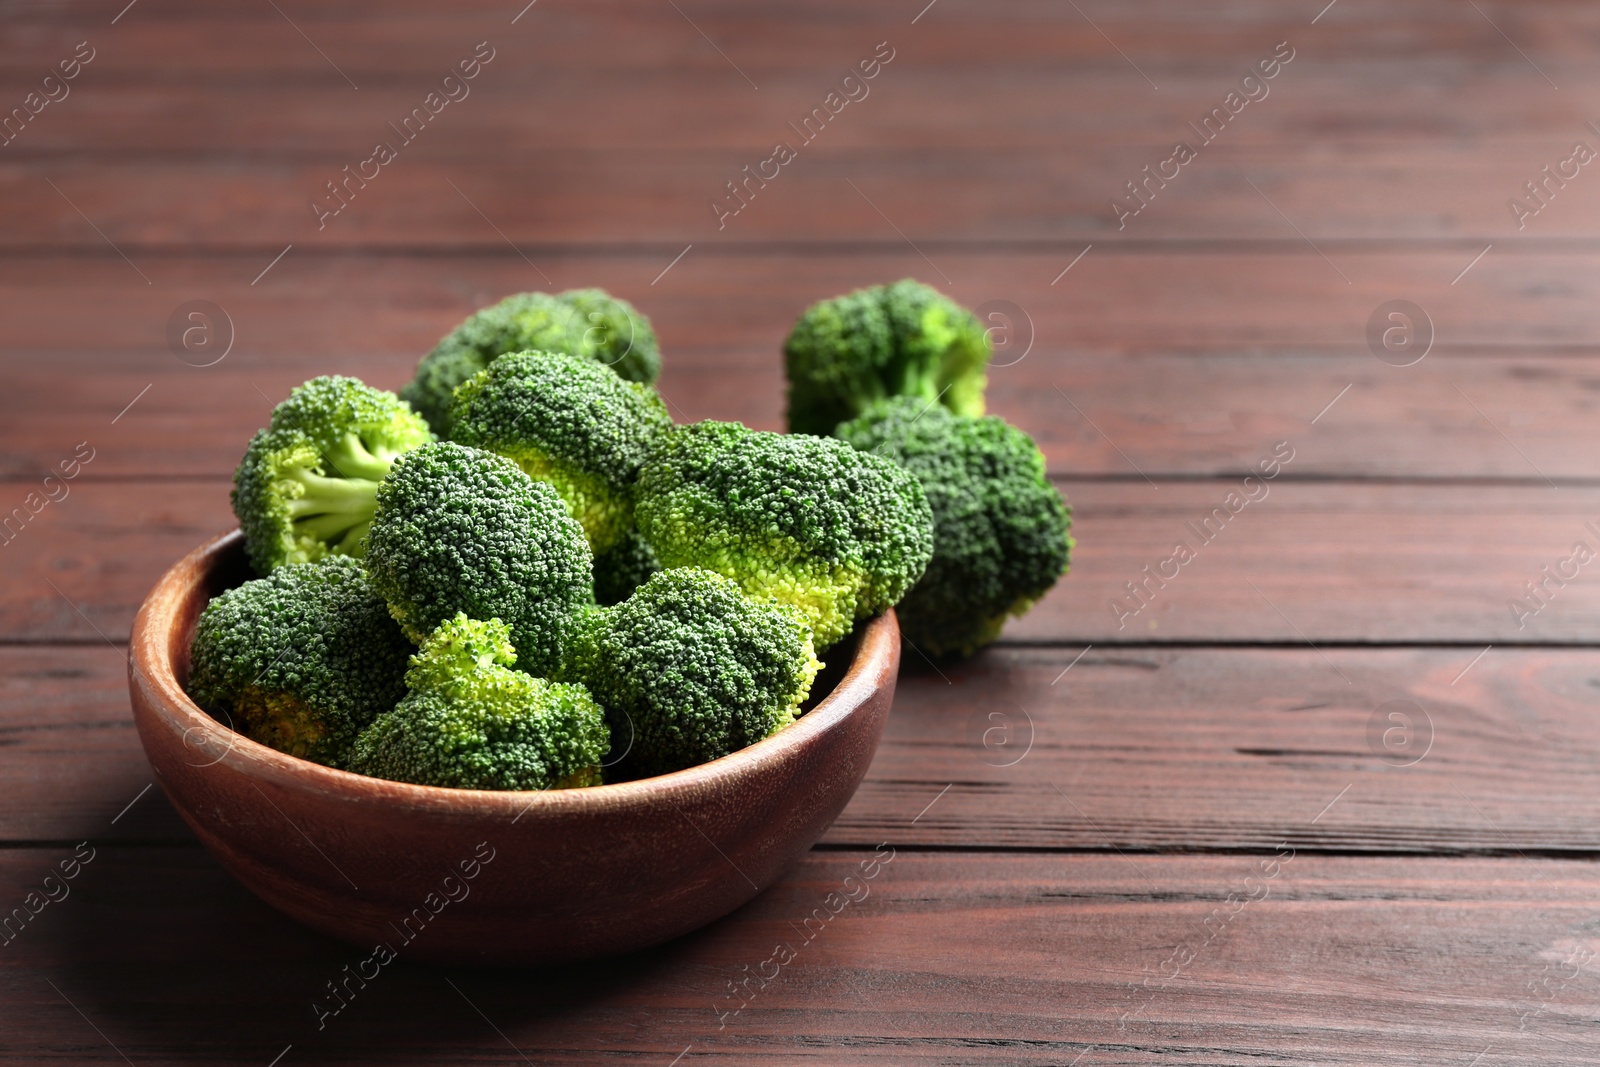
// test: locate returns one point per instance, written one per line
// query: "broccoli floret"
(568, 421)
(903, 339)
(308, 481)
(471, 722)
(301, 660)
(583, 322)
(438, 374)
(622, 568)
(614, 334)
(1000, 529)
(837, 533)
(458, 529)
(694, 668)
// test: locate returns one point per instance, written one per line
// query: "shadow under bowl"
(483, 877)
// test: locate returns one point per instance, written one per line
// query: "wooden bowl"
(498, 878)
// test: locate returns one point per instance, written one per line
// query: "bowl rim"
(150, 667)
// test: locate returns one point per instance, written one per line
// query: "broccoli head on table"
(301, 660)
(566, 420)
(582, 322)
(694, 668)
(1000, 529)
(471, 722)
(903, 339)
(308, 482)
(458, 529)
(836, 533)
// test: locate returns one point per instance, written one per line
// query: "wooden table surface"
(1326, 797)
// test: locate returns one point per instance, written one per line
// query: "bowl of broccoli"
(509, 668)
(513, 862)
(455, 698)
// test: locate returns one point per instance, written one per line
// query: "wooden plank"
(1138, 749)
(1377, 193)
(921, 100)
(945, 959)
(1149, 26)
(74, 768)
(1160, 749)
(265, 146)
(80, 568)
(1362, 78)
(1093, 414)
(1324, 562)
(310, 308)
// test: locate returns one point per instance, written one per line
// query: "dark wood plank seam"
(1569, 855)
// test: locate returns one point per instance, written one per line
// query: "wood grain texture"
(1132, 749)
(72, 759)
(1028, 75)
(1380, 194)
(1409, 750)
(956, 960)
(1340, 155)
(315, 307)
(1323, 562)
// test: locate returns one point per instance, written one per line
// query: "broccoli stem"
(332, 530)
(333, 496)
(351, 542)
(352, 458)
(334, 510)
(918, 378)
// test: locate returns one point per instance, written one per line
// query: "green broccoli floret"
(568, 421)
(583, 322)
(622, 568)
(837, 533)
(307, 483)
(471, 722)
(437, 376)
(1000, 529)
(458, 529)
(694, 668)
(301, 660)
(903, 339)
(614, 334)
